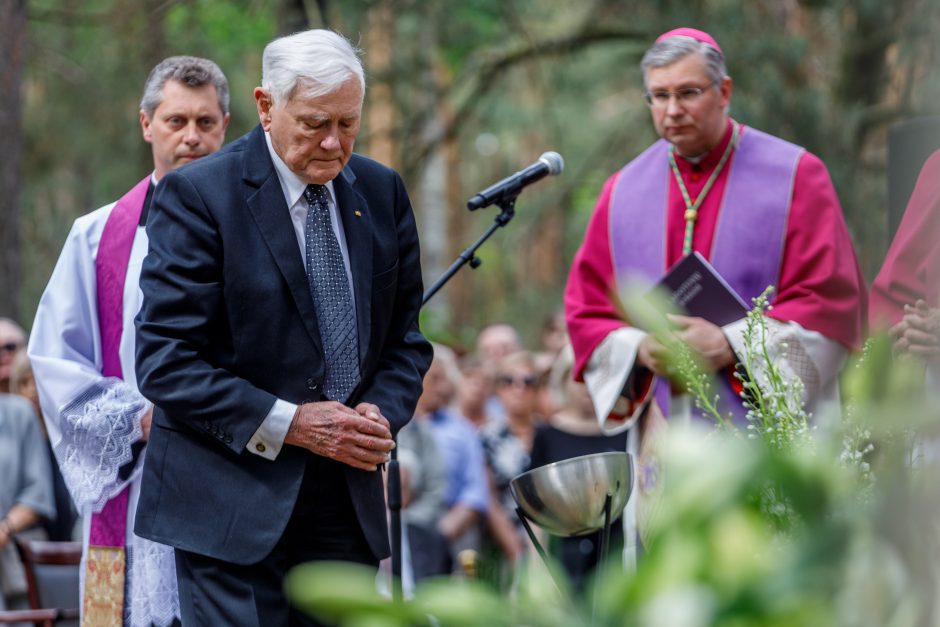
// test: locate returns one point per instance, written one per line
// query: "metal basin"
(567, 498)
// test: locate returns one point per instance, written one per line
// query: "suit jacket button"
(260, 447)
(227, 439)
(312, 385)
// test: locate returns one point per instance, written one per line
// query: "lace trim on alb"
(98, 429)
(153, 599)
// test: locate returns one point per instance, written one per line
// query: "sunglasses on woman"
(529, 381)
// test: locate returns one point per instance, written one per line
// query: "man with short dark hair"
(82, 352)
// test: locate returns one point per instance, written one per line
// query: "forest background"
(461, 94)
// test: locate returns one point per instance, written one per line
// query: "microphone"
(549, 164)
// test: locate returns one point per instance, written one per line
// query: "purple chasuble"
(109, 526)
(747, 248)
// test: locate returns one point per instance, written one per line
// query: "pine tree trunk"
(380, 115)
(12, 52)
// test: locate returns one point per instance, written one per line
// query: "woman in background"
(60, 527)
(573, 431)
(25, 491)
(506, 446)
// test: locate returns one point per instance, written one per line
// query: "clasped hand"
(701, 336)
(918, 332)
(360, 437)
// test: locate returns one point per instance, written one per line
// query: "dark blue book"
(695, 288)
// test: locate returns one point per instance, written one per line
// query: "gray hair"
(192, 72)
(314, 62)
(668, 51)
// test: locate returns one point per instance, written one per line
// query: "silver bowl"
(567, 498)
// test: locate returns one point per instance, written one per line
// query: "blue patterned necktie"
(332, 299)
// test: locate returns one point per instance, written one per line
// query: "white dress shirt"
(269, 438)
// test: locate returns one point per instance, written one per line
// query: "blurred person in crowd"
(25, 491)
(22, 383)
(278, 340)
(12, 339)
(573, 431)
(466, 497)
(423, 486)
(554, 336)
(497, 340)
(762, 210)
(494, 342)
(905, 295)
(82, 352)
(475, 389)
(61, 526)
(547, 402)
(507, 446)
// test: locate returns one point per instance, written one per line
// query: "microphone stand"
(508, 211)
(508, 207)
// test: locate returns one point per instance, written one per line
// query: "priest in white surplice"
(82, 352)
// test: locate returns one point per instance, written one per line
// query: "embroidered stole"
(105, 563)
(747, 248)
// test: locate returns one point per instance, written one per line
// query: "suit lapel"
(271, 214)
(357, 226)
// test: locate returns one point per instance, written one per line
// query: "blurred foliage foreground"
(838, 527)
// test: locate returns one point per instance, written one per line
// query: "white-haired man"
(82, 354)
(278, 341)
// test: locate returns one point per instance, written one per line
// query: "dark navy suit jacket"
(228, 325)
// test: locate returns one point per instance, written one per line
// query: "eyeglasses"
(660, 99)
(529, 381)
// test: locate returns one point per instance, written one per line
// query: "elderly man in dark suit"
(278, 341)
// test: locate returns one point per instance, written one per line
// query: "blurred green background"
(460, 94)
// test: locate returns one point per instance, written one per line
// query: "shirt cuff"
(269, 438)
(606, 375)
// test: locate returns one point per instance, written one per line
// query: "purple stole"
(103, 602)
(747, 248)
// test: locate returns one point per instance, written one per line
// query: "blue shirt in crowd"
(462, 453)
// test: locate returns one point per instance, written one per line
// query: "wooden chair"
(52, 583)
(40, 618)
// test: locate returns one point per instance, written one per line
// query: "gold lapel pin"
(358, 214)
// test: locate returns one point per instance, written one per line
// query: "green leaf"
(342, 593)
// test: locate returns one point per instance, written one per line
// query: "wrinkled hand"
(706, 339)
(372, 412)
(918, 332)
(358, 437)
